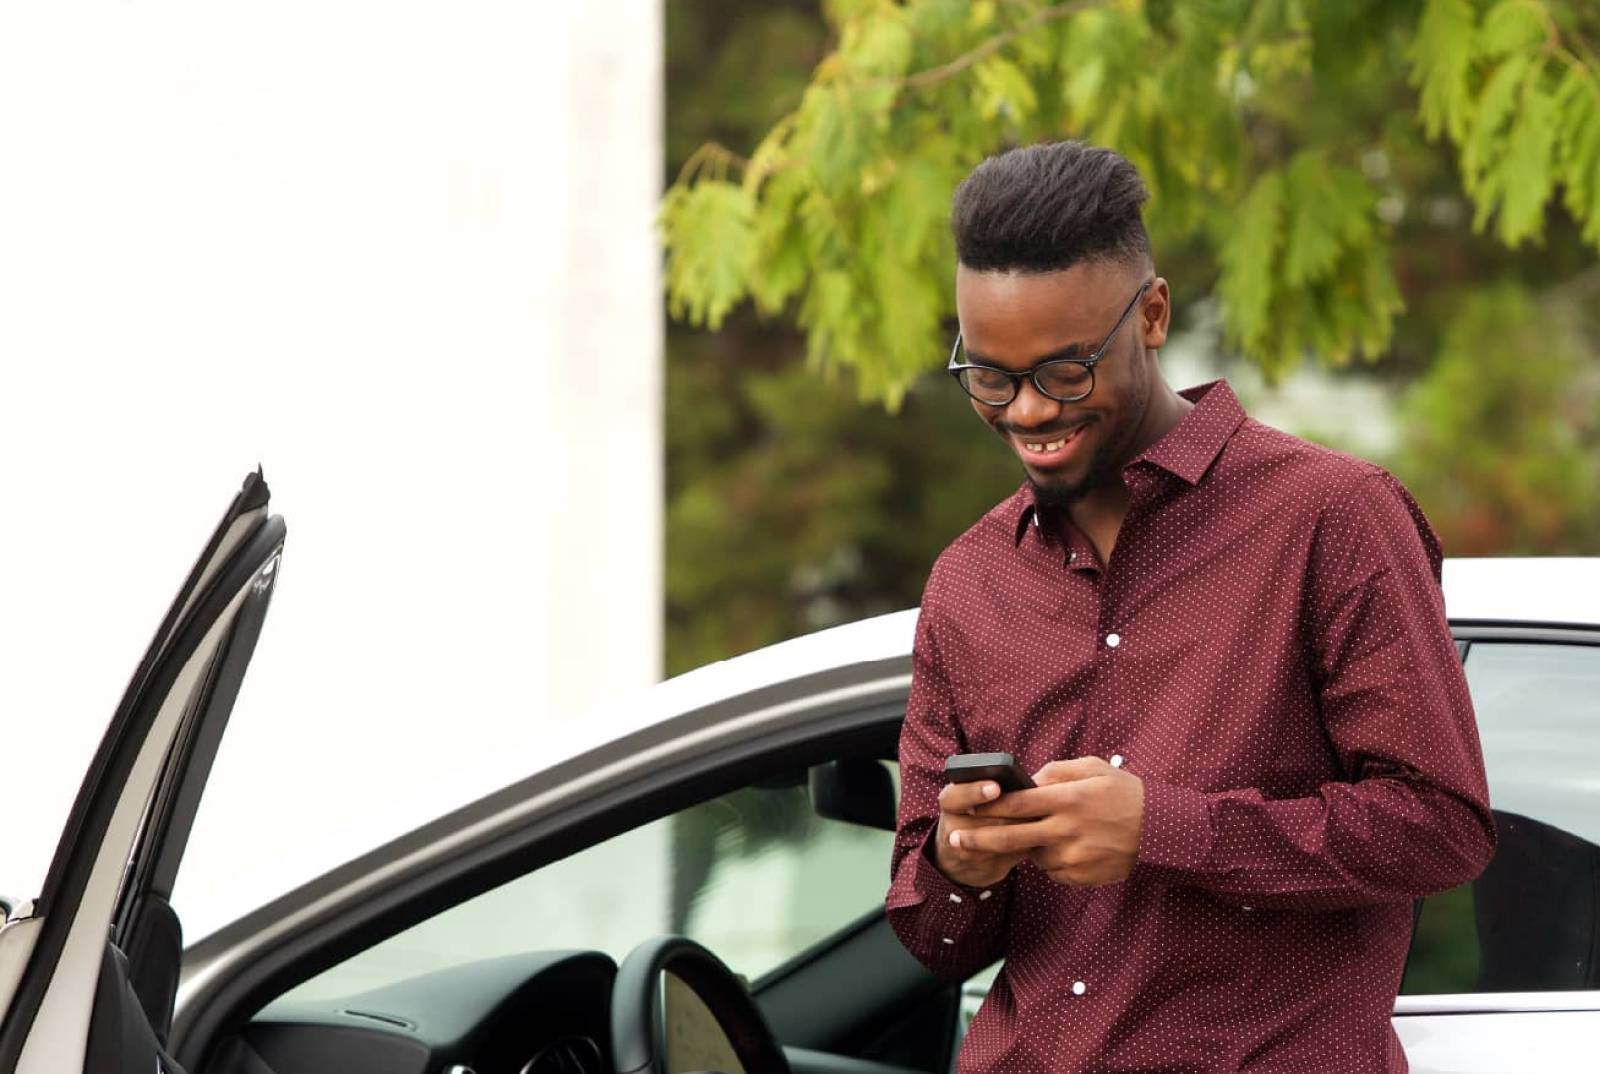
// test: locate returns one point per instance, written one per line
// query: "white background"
(398, 254)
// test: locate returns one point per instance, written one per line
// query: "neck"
(1166, 409)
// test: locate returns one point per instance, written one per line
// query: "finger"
(1067, 771)
(1062, 854)
(962, 797)
(1029, 804)
(1003, 838)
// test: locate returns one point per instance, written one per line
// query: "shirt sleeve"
(1412, 817)
(952, 929)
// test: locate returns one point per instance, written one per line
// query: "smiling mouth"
(1050, 451)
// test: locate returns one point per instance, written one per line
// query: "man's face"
(1013, 320)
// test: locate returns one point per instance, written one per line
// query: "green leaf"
(1495, 106)
(1246, 252)
(1082, 89)
(1441, 66)
(1002, 90)
(1383, 301)
(780, 241)
(880, 47)
(1578, 153)
(1525, 178)
(709, 233)
(1511, 26)
(1329, 211)
(915, 206)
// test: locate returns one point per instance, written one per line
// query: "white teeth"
(1039, 449)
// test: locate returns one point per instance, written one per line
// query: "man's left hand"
(1083, 824)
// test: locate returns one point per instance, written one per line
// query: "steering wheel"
(638, 1027)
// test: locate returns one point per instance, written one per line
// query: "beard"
(1060, 495)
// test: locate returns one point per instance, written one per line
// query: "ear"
(1155, 314)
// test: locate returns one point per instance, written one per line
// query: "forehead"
(1021, 316)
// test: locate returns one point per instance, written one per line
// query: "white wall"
(401, 255)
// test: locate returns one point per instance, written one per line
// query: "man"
(1220, 650)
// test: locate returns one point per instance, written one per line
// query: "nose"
(1031, 408)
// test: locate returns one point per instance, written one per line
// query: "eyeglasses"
(1065, 379)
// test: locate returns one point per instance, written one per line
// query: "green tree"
(790, 506)
(1268, 133)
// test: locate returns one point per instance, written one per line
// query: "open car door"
(88, 973)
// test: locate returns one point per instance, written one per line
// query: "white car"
(705, 892)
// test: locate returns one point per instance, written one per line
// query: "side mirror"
(857, 790)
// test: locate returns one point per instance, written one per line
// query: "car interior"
(851, 1001)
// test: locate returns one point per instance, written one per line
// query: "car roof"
(1525, 589)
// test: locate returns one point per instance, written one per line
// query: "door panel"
(128, 824)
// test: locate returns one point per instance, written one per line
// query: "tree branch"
(933, 75)
(714, 155)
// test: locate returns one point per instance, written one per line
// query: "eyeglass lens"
(1064, 380)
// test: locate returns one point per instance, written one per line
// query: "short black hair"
(1041, 208)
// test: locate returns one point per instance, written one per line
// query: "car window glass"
(1528, 924)
(756, 876)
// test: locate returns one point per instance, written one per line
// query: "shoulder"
(1261, 451)
(1352, 506)
(967, 560)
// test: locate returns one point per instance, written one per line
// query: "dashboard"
(540, 1012)
(537, 1012)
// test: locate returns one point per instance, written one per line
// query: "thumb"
(1067, 771)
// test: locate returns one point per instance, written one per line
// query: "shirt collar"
(1186, 451)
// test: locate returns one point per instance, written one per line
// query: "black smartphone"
(1000, 767)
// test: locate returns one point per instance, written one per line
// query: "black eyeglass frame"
(955, 368)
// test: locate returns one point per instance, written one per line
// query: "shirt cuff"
(929, 882)
(1176, 832)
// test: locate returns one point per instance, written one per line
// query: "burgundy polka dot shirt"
(1267, 650)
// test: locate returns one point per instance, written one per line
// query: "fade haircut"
(1042, 208)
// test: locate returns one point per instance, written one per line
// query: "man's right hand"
(974, 868)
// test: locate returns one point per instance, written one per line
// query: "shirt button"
(1116, 760)
(1079, 988)
(1072, 557)
(984, 895)
(954, 897)
(1247, 908)
(1113, 640)
(947, 939)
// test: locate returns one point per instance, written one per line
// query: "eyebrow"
(1071, 350)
